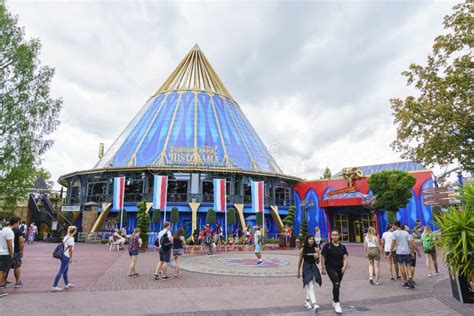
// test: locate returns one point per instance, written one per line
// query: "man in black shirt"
(334, 259)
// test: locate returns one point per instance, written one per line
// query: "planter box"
(461, 288)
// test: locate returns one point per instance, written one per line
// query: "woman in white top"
(66, 260)
(372, 249)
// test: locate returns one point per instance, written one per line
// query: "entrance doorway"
(352, 223)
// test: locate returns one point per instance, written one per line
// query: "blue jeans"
(62, 271)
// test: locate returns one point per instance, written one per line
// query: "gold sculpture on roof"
(351, 174)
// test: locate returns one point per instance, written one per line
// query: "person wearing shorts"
(134, 245)
(7, 240)
(165, 255)
(391, 257)
(372, 248)
(258, 243)
(19, 244)
(404, 248)
(178, 250)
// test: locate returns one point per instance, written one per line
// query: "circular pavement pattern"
(242, 264)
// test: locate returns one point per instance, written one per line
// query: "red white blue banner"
(119, 192)
(220, 195)
(257, 196)
(160, 188)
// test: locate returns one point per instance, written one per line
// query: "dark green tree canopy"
(211, 216)
(392, 189)
(174, 217)
(437, 125)
(28, 114)
(156, 216)
(143, 221)
(231, 218)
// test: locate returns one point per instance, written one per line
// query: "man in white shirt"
(387, 239)
(7, 238)
(404, 249)
(166, 244)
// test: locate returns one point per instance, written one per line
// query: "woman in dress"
(178, 250)
(134, 245)
(372, 250)
(309, 256)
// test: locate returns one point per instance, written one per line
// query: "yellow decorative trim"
(194, 72)
(103, 215)
(240, 211)
(131, 162)
(148, 206)
(194, 207)
(162, 158)
(276, 217)
(226, 160)
(252, 161)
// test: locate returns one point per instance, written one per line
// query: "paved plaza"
(226, 284)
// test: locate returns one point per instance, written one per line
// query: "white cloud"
(321, 73)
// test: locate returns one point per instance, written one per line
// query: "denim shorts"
(165, 256)
(178, 252)
(133, 252)
(404, 259)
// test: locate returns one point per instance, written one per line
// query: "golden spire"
(194, 72)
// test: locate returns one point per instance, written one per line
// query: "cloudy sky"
(313, 77)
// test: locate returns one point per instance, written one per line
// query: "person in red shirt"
(287, 235)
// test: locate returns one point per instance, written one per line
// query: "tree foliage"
(259, 218)
(303, 230)
(27, 111)
(289, 219)
(211, 216)
(143, 219)
(156, 216)
(174, 216)
(392, 189)
(437, 126)
(231, 217)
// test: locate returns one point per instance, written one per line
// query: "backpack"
(428, 243)
(58, 252)
(208, 239)
(165, 242)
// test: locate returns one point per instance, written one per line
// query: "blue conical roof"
(192, 121)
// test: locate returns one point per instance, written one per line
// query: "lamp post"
(305, 205)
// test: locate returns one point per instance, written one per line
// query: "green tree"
(392, 190)
(143, 219)
(437, 125)
(211, 216)
(289, 219)
(303, 230)
(231, 217)
(174, 216)
(28, 114)
(156, 216)
(259, 218)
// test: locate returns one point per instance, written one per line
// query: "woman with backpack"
(134, 244)
(178, 250)
(66, 260)
(334, 260)
(427, 241)
(372, 250)
(309, 256)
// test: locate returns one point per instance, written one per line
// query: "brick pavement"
(96, 270)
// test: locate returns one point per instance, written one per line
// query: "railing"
(179, 198)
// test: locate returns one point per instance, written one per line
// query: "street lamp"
(305, 205)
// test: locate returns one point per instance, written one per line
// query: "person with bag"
(428, 244)
(166, 244)
(258, 240)
(209, 240)
(309, 256)
(66, 249)
(334, 260)
(372, 250)
(134, 244)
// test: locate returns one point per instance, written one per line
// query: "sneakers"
(56, 289)
(429, 274)
(260, 261)
(393, 279)
(337, 307)
(308, 305)
(165, 277)
(316, 307)
(377, 283)
(2, 294)
(398, 277)
(69, 286)
(405, 286)
(156, 276)
(371, 281)
(18, 285)
(411, 283)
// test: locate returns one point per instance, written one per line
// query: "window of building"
(96, 191)
(282, 196)
(177, 191)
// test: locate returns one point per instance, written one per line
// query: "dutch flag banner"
(160, 187)
(219, 195)
(257, 196)
(119, 191)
